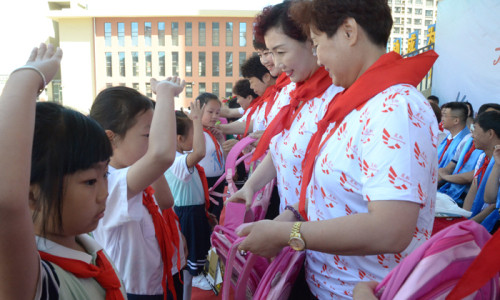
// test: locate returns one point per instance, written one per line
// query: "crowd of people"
(118, 202)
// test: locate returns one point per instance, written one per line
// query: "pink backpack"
(434, 268)
(242, 273)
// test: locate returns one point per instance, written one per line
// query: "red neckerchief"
(390, 69)
(257, 104)
(448, 142)
(480, 172)
(305, 91)
(102, 272)
(218, 149)
(171, 219)
(204, 182)
(163, 238)
(281, 82)
(467, 156)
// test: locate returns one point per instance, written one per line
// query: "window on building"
(417, 21)
(121, 34)
(408, 21)
(215, 33)
(418, 11)
(229, 33)
(409, 10)
(109, 64)
(121, 84)
(397, 20)
(147, 33)
(229, 89)
(428, 13)
(161, 63)
(419, 31)
(107, 34)
(409, 1)
(135, 86)
(429, 2)
(202, 64)
(229, 64)
(121, 57)
(242, 58)
(189, 34)
(418, 1)
(189, 64)
(215, 88)
(161, 33)
(134, 32)
(175, 34)
(149, 71)
(215, 63)
(243, 34)
(135, 63)
(202, 87)
(148, 90)
(396, 29)
(202, 34)
(109, 84)
(397, 9)
(175, 63)
(408, 30)
(428, 22)
(189, 90)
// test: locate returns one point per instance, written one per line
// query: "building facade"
(105, 49)
(410, 16)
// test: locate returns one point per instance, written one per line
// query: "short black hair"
(489, 120)
(242, 88)
(204, 98)
(433, 98)
(486, 106)
(470, 109)
(259, 45)
(459, 108)
(183, 123)
(65, 141)
(278, 16)
(116, 108)
(252, 67)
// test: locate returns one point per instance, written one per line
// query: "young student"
(214, 161)
(186, 179)
(133, 231)
(45, 251)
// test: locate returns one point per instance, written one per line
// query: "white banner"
(468, 44)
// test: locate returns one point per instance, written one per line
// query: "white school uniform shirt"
(387, 150)
(56, 283)
(127, 233)
(288, 147)
(210, 163)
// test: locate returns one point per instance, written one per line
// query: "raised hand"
(172, 86)
(45, 59)
(195, 111)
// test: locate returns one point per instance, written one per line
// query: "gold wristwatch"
(296, 242)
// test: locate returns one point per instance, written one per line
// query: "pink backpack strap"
(231, 162)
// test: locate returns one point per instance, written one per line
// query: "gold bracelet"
(29, 67)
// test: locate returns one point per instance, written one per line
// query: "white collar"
(90, 245)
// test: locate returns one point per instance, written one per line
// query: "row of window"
(427, 2)
(188, 33)
(418, 11)
(400, 21)
(174, 59)
(409, 30)
(202, 88)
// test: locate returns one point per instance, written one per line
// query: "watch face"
(297, 244)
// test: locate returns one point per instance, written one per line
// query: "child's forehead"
(213, 103)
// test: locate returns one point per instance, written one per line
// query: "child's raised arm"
(162, 137)
(19, 262)
(198, 137)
